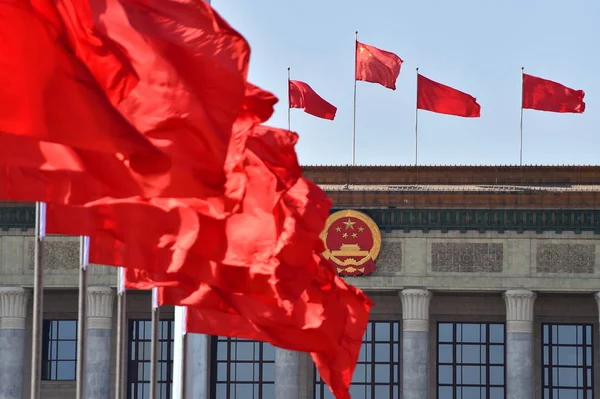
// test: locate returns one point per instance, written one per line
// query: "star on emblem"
(361, 229)
(354, 235)
(338, 229)
(349, 224)
(345, 235)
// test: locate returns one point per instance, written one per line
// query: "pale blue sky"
(475, 46)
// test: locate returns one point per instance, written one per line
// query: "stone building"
(486, 285)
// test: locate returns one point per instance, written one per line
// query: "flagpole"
(354, 123)
(289, 105)
(154, 346)
(179, 346)
(521, 127)
(121, 323)
(84, 245)
(38, 299)
(417, 122)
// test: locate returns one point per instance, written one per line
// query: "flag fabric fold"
(436, 97)
(301, 95)
(377, 66)
(545, 95)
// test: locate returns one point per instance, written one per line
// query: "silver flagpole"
(354, 114)
(84, 252)
(154, 350)
(417, 123)
(38, 299)
(521, 126)
(121, 328)
(289, 105)
(179, 346)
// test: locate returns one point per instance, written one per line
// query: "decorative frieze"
(467, 257)
(415, 309)
(390, 257)
(566, 258)
(57, 254)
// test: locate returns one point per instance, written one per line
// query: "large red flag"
(377, 66)
(301, 95)
(546, 95)
(49, 95)
(436, 97)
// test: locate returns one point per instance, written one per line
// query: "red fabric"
(301, 95)
(436, 97)
(546, 95)
(377, 66)
(48, 94)
(177, 71)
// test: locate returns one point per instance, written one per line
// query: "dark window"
(470, 361)
(568, 357)
(244, 369)
(140, 342)
(59, 350)
(377, 373)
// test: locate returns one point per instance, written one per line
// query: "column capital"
(13, 308)
(100, 307)
(519, 310)
(415, 309)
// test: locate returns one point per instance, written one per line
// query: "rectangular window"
(244, 369)
(138, 370)
(567, 358)
(377, 373)
(470, 361)
(59, 350)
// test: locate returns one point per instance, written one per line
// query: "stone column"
(98, 348)
(196, 368)
(13, 310)
(415, 343)
(287, 374)
(519, 344)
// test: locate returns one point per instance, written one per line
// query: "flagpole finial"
(289, 68)
(522, 68)
(417, 69)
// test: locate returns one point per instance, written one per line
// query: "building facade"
(486, 286)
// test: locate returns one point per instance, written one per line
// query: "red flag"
(48, 94)
(377, 66)
(436, 97)
(546, 95)
(301, 95)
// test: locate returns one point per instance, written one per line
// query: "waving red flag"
(301, 95)
(436, 97)
(377, 66)
(546, 95)
(49, 95)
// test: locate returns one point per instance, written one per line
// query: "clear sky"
(476, 46)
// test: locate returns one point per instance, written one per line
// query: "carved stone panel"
(390, 257)
(566, 258)
(57, 255)
(467, 257)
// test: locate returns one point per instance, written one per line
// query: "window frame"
(134, 362)
(229, 382)
(551, 365)
(454, 364)
(319, 386)
(47, 340)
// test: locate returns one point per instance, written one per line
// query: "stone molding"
(415, 309)
(13, 308)
(519, 310)
(100, 307)
(597, 297)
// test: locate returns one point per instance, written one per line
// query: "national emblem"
(352, 242)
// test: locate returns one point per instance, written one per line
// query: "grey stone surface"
(57, 254)
(519, 365)
(12, 357)
(415, 364)
(390, 257)
(467, 257)
(287, 374)
(97, 368)
(196, 380)
(566, 258)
